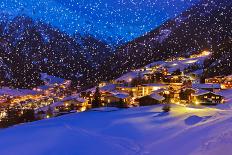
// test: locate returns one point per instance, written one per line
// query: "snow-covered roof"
(154, 85)
(155, 64)
(79, 99)
(109, 87)
(122, 95)
(60, 103)
(206, 86)
(228, 78)
(131, 75)
(17, 92)
(159, 90)
(44, 87)
(203, 92)
(127, 77)
(51, 79)
(157, 97)
(119, 94)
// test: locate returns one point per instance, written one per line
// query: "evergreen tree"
(177, 72)
(12, 117)
(72, 107)
(166, 108)
(28, 115)
(97, 99)
(49, 112)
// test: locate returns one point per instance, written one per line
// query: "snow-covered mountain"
(206, 26)
(114, 21)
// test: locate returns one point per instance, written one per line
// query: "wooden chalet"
(205, 97)
(152, 99)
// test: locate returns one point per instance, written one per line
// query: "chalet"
(173, 79)
(127, 89)
(141, 90)
(227, 83)
(186, 95)
(215, 80)
(147, 89)
(152, 99)
(205, 97)
(175, 89)
(209, 87)
(117, 99)
(70, 103)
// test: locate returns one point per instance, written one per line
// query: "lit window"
(213, 97)
(205, 96)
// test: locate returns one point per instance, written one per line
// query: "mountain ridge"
(201, 27)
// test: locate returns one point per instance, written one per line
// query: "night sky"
(120, 20)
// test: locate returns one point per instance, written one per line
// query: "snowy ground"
(135, 131)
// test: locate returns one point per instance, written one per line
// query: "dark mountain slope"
(205, 26)
(29, 48)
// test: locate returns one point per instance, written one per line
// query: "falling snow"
(88, 41)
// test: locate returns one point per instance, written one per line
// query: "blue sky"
(116, 19)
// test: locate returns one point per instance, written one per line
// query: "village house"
(205, 97)
(175, 88)
(186, 95)
(67, 104)
(224, 81)
(227, 83)
(141, 90)
(151, 99)
(215, 80)
(117, 99)
(147, 89)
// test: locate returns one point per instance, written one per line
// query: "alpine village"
(174, 81)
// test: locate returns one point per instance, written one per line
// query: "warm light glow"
(206, 53)
(156, 88)
(174, 64)
(191, 61)
(82, 109)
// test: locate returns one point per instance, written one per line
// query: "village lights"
(206, 53)
(197, 103)
(82, 109)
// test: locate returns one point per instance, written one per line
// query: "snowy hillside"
(114, 21)
(144, 130)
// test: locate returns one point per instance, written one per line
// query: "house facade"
(150, 100)
(208, 98)
(117, 99)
